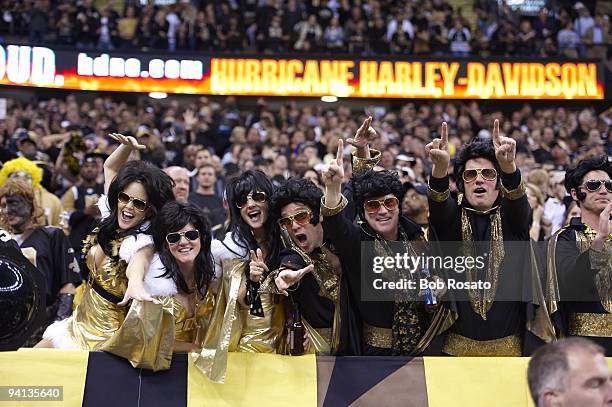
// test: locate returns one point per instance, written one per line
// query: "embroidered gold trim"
(588, 324)
(377, 337)
(364, 164)
(599, 262)
(482, 300)
(438, 196)
(326, 211)
(514, 194)
(458, 345)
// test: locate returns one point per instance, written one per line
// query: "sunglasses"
(301, 218)
(593, 185)
(487, 173)
(257, 196)
(175, 237)
(373, 205)
(139, 204)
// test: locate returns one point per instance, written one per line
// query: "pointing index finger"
(444, 133)
(340, 153)
(495, 135)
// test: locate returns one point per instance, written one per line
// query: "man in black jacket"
(491, 212)
(583, 252)
(402, 326)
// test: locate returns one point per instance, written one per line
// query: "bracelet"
(437, 196)
(363, 164)
(326, 211)
(514, 194)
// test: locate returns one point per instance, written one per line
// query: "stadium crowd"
(373, 27)
(295, 141)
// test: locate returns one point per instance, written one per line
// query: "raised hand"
(364, 135)
(190, 119)
(127, 141)
(505, 149)
(288, 277)
(257, 266)
(333, 173)
(439, 154)
(604, 228)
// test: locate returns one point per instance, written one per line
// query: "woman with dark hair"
(252, 322)
(182, 239)
(119, 254)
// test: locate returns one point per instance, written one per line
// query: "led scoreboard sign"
(195, 74)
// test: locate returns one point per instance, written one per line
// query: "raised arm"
(442, 209)
(119, 157)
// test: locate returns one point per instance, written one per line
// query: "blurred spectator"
(597, 37)
(126, 28)
(568, 41)
(459, 39)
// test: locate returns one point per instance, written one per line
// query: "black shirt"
(55, 259)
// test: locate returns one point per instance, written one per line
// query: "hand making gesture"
(257, 266)
(363, 138)
(439, 154)
(288, 277)
(333, 174)
(505, 150)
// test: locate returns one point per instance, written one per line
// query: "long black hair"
(172, 218)
(158, 187)
(237, 189)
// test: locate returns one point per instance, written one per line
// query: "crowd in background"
(360, 27)
(226, 139)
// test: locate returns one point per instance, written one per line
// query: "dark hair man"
(583, 254)
(402, 326)
(491, 208)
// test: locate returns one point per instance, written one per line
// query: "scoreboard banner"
(193, 73)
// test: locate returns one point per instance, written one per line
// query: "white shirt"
(554, 210)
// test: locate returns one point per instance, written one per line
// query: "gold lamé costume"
(142, 333)
(233, 329)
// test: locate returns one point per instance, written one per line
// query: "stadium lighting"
(158, 95)
(329, 99)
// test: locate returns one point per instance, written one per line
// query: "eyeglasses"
(139, 204)
(487, 173)
(257, 196)
(593, 185)
(175, 237)
(373, 205)
(301, 218)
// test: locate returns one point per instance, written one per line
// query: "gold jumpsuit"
(143, 333)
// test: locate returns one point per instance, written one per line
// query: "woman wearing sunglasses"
(492, 210)
(182, 240)
(582, 251)
(119, 253)
(260, 316)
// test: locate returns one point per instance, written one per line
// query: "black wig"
(574, 176)
(297, 190)
(173, 217)
(475, 149)
(373, 184)
(237, 190)
(156, 183)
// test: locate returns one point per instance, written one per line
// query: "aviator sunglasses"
(301, 218)
(175, 237)
(487, 173)
(257, 196)
(139, 204)
(373, 205)
(593, 185)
